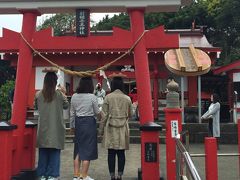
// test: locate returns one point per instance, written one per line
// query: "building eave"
(107, 6)
(232, 66)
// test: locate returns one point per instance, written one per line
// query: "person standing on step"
(117, 110)
(100, 93)
(213, 117)
(51, 127)
(84, 109)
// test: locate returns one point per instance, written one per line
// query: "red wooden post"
(29, 146)
(239, 144)
(192, 90)
(173, 121)
(22, 85)
(155, 90)
(211, 167)
(150, 170)
(230, 89)
(6, 141)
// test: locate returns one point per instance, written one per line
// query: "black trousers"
(112, 153)
(210, 127)
(210, 131)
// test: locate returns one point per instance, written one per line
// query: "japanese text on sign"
(82, 21)
(174, 128)
(150, 152)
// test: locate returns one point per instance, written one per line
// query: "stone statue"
(172, 95)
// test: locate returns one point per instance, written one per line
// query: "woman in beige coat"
(117, 110)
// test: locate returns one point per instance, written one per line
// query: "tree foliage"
(5, 106)
(6, 72)
(60, 23)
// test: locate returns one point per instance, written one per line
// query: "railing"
(183, 157)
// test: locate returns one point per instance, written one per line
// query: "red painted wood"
(150, 171)
(170, 115)
(155, 90)
(22, 87)
(31, 91)
(6, 140)
(192, 91)
(120, 40)
(211, 165)
(29, 148)
(239, 147)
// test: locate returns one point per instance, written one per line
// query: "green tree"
(228, 29)
(7, 72)
(60, 23)
(121, 20)
(5, 106)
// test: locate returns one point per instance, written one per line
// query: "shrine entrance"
(147, 49)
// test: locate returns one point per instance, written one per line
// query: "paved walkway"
(228, 166)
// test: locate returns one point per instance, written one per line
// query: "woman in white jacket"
(213, 116)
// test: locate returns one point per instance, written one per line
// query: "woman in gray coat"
(213, 116)
(51, 127)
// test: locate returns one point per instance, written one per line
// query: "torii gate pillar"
(149, 140)
(21, 87)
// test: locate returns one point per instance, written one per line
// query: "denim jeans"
(48, 162)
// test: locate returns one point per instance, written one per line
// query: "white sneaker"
(88, 178)
(76, 178)
(42, 178)
(52, 178)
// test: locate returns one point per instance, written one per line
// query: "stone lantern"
(172, 95)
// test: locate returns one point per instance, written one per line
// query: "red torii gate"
(120, 40)
(13, 152)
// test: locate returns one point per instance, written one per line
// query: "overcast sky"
(14, 22)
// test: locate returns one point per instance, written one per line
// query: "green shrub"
(5, 105)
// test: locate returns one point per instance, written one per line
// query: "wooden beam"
(180, 60)
(195, 57)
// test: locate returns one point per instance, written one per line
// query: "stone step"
(133, 139)
(132, 124)
(133, 132)
(198, 132)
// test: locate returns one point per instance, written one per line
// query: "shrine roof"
(106, 6)
(230, 67)
(157, 40)
(195, 37)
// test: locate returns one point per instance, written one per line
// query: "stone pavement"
(228, 166)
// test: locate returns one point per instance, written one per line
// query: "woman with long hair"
(84, 109)
(51, 127)
(213, 117)
(117, 110)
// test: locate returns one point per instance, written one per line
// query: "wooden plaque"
(187, 61)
